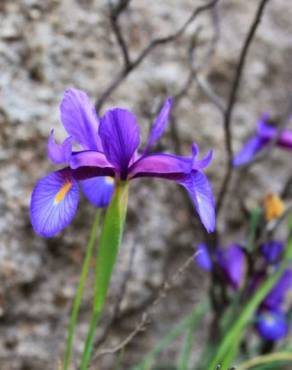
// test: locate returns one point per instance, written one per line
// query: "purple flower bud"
(272, 325)
(232, 260)
(202, 257)
(276, 298)
(272, 250)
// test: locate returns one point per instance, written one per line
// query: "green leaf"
(109, 242)
(193, 318)
(80, 290)
(255, 218)
(237, 330)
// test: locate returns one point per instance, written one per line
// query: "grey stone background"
(47, 46)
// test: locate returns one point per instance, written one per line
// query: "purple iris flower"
(276, 298)
(110, 154)
(231, 260)
(272, 250)
(265, 133)
(272, 325)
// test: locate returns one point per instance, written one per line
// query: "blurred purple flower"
(202, 257)
(272, 325)
(231, 260)
(109, 154)
(272, 251)
(265, 133)
(277, 296)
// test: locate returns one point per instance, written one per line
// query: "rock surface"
(48, 46)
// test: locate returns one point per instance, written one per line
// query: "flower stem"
(266, 359)
(80, 289)
(109, 242)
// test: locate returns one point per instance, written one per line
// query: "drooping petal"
(202, 196)
(276, 298)
(89, 158)
(202, 257)
(232, 261)
(159, 124)
(98, 190)
(272, 250)
(272, 325)
(54, 202)
(79, 119)
(59, 153)
(120, 136)
(249, 150)
(161, 165)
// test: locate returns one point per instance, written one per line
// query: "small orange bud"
(274, 207)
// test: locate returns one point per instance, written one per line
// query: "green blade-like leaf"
(255, 218)
(80, 289)
(109, 242)
(236, 332)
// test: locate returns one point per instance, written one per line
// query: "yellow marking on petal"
(274, 207)
(61, 194)
(109, 180)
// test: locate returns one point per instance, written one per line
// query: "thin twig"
(232, 101)
(146, 316)
(193, 73)
(129, 65)
(114, 13)
(209, 92)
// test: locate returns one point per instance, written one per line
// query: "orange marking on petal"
(61, 194)
(109, 180)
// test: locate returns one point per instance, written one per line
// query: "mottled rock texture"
(47, 46)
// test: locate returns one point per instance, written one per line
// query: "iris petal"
(277, 295)
(203, 258)
(79, 119)
(202, 197)
(161, 165)
(272, 325)
(98, 190)
(54, 202)
(159, 124)
(233, 262)
(264, 129)
(89, 158)
(249, 150)
(204, 162)
(59, 153)
(120, 137)
(272, 250)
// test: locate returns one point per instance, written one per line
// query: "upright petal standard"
(109, 154)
